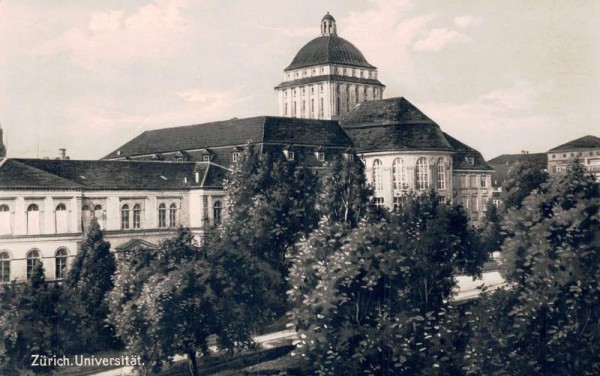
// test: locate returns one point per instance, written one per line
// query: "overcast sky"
(501, 76)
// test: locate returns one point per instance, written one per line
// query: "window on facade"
(398, 174)
(422, 172)
(397, 203)
(289, 155)
(337, 105)
(321, 108)
(474, 204)
(99, 215)
(378, 201)
(302, 90)
(320, 156)
(377, 175)
(162, 215)
(217, 213)
(33, 219)
(483, 181)
(86, 216)
(60, 218)
(125, 217)
(312, 106)
(293, 108)
(4, 267)
(470, 161)
(33, 259)
(206, 157)
(321, 88)
(60, 263)
(137, 216)
(5, 222)
(473, 181)
(312, 89)
(441, 174)
(303, 107)
(173, 215)
(235, 156)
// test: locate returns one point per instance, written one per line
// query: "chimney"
(62, 152)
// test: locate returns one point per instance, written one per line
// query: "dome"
(329, 49)
(328, 17)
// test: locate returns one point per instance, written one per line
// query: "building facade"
(584, 150)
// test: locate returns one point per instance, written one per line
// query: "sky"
(501, 76)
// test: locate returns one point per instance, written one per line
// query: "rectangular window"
(321, 108)
(441, 175)
(285, 112)
(312, 107)
(379, 202)
(474, 204)
(483, 181)
(473, 181)
(235, 156)
(206, 158)
(125, 219)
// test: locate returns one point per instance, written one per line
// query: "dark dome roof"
(328, 17)
(329, 49)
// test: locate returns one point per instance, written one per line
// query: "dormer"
(289, 152)
(158, 157)
(206, 155)
(182, 156)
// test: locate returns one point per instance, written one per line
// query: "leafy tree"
(524, 177)
(164, 304)
(86, 286)
(29, 323)
(548, 323)
(377, 296)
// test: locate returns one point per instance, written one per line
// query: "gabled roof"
(135, 244)
(585, 142)
(261, 129)
(329, 49)
(462, 153)
(392, 124)
(540, 159)
(114, 175)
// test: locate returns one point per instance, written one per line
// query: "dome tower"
(327, 77)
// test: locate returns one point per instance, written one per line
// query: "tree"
(30, 323)
(377, 302)
(164, 304)
(551, 320)
(524, 177)
(86, 286)
(492, 235)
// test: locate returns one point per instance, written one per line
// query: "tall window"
(441, 174)
(162, 215)
(99, 215)
(5, 225)
(33, 219)
(235, 156)
(125, 217)
(422, 174)
(33, 259)
(377, 175)
(4, 267)
(137, 216)
(398, 174)
(321, 108)
(60, 218)
(173, 215)
(86, 216)
(473, 181)
(60, 270)
(217, 213)
(482, 181)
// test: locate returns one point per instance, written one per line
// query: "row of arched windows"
(34, 258)
(422, 177)
(34, 220)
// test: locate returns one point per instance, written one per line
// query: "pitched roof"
(235, 132)
(537, 158)
(329, 49)
(585, 142)
(118, 175)
(330, 77)
(392, 124)
(462, 153)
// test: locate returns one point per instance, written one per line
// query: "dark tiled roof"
(330, 77)
(502, 164)
(329, 49)
(392, 124)
(14, 174)
(461, 154)
(234, 132)
(585, 142)
(123, 175)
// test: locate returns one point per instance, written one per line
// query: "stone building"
(585, 150)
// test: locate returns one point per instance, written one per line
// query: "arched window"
(377, 175)
(173, 215)
(60, 219)
(398, 174)
(60, 270)
(4, 267)
(217, 213)
(137, 216)
(162, 215)
(125, 217)
(33, 259)
(422, 174)
(33, 219)
(441, 174)
(99, 215)
(5, 220)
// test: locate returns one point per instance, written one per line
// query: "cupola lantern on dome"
(328, 26)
